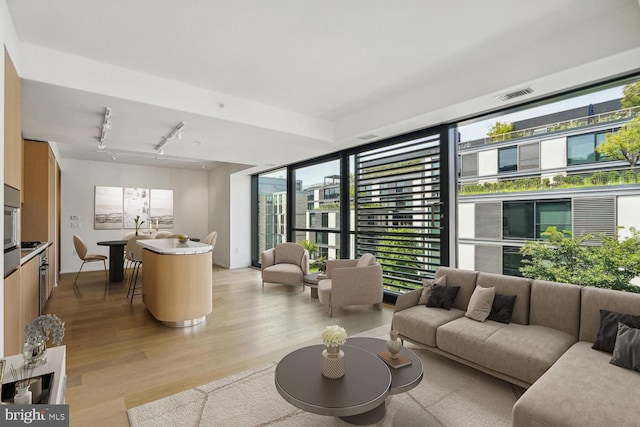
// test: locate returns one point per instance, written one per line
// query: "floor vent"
(515, 94)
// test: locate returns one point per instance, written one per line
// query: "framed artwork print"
(108, 208)
(161, 208)
(136, 203)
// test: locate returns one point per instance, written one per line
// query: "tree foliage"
(400, 251)
(582, 261)
(625, 144)
(631, 95)
(499, 131)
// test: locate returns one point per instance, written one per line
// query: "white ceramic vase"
(333, 363)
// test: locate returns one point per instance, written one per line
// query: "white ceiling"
(265, 83)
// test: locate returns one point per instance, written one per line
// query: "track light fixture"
(106, 127)
(175, 133)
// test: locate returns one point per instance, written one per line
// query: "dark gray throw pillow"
(626, 352)
(443, 296)
(502, 308)
(608, 331)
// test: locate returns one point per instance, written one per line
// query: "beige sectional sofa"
(546, 347)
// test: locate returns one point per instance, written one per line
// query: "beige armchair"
(352, 282)
(287, 263)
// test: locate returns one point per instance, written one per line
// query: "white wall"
(466, 256)
(466, 220)
(628, 208)
(230, 215)
(553, 153)
(79, 177)
(240, 224)
(488, 162)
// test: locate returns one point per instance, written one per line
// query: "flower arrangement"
(138, 223)
(41, 328)
(334, 336)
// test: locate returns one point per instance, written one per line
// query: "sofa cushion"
(626, 352)
(283, 273)
(595, 299)
(427, 288)
(524, 352)
(366, 260)
(289, 253)
(502, 308)
(581, 389)
(466, 279)
(555, 305)
(419, 324)
(510, 285)
(480, 303)
(607, 333)
(443, 296)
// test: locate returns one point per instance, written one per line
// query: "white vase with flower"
(333, 357)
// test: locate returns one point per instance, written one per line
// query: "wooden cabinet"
(13, 153)
(29, 291)
(40, 209)
(35, 209)
(12, 325)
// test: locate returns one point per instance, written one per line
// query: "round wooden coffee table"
(402, 379)
(357, 398)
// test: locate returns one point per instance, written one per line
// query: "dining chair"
(134, 256)
(81, 250)
(164, 234)
(211, 239)
(127, 263)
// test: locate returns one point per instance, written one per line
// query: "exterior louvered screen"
(398, 210)
(529, 158)
(488, 218)
(488, 259)
(594, 215)
(469, 164)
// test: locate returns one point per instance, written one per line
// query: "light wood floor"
(119, 356)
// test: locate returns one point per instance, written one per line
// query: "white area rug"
(449, 395)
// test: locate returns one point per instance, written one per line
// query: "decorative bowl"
(183, 239)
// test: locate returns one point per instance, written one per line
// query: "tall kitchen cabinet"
(12, 125)
(40, 209)
(13, 155)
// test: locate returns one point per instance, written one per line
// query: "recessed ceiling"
(282, 79)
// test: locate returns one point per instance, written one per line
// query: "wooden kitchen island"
(177, 281)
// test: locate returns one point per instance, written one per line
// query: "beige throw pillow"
(427, 288)
(480, 303)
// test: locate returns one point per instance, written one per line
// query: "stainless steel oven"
(11, 229)
(44, 267)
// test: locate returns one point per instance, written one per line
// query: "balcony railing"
(624, 176)
(609, 116)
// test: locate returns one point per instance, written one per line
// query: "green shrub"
(610, 262)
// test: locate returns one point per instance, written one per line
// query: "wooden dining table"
(116, 259)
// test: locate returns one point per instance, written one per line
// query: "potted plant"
(37, 333)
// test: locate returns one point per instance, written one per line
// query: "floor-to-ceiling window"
(398, 209)
(543, 169)
(393, 198)
(384, 198)
(271, 210)
(317, 210)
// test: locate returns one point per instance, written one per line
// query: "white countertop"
(172, 246)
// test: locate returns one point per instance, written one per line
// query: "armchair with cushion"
(352, 282)
(287, 264)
